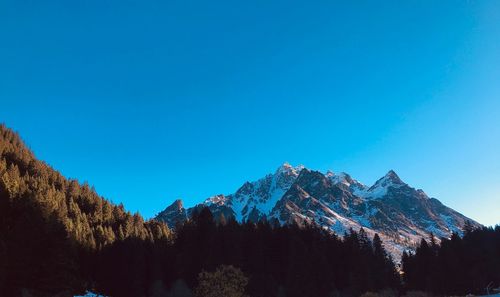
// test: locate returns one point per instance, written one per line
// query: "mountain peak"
(177, 204)
(287, 168)
(379, 189)
(172, 215)
(393, 176)
(286, 165)
(390, 178)
(339, 178)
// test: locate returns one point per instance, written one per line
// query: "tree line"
(456, 266)
(279, 260)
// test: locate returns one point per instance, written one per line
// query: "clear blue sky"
(150, 101)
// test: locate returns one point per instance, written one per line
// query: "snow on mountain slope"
(255, 200)
(400, 214)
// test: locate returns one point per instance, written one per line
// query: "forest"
(58, 237)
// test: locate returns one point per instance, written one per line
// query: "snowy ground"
(89, 294)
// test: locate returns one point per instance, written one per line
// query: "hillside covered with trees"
(51, 226)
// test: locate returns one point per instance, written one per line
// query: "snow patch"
(90, 294)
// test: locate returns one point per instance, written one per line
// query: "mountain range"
(399, 213)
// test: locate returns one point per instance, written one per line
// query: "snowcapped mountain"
(400, 214)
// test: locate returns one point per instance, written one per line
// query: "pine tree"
(226, 281)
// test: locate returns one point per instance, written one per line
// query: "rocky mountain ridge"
(399, 213)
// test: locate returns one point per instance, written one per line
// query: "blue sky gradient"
(150, 101)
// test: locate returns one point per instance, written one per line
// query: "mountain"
(174, 214)
(399, 213)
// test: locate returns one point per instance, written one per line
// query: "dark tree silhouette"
(458, 266)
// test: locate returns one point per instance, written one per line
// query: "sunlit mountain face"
(399, 213)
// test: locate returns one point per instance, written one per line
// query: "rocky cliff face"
(174, 214)
(400, 214)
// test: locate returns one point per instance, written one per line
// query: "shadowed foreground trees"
(278, 260)
(458, 266)
(226, 281)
